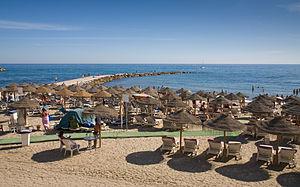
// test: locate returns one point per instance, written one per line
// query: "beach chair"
(215, 148)
(70, 146)
(150, 121)
(265, 153)
(287, 155)
(169, 144)
(191, 146)
(234, 149)
(139, 120)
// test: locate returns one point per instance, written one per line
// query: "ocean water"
(273, 79)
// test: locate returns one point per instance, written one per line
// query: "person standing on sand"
(45, 119)
(97, 129)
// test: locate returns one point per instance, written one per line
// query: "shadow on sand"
(10, 147)
(53, 155)
(185, 163)
(289, 179)
(248, 172)
(145, 157)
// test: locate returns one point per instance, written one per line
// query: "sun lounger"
(169, 144)
(70, 146)
(287, 155)
(234, 149)
(139, 120)
(215, 148)
(149, 121)
(265, 153)
(191, 146)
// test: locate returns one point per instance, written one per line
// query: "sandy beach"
(133, 162)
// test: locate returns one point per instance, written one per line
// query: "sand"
(133, 162)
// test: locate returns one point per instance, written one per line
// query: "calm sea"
(273, 79)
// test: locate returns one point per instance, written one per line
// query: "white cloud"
(5, 24)
(294, 7)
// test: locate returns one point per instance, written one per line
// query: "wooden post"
(180, 137)
(225, 141)
(100, 135)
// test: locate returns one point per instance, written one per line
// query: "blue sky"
(150, 31)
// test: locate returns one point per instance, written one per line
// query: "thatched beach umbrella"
(150, 91)
(176, 103)
(182, 118)
(258, 108)
(113, 91)
(65, 92)
(93, 90)
(232, 97)
(169, 96)
(24, 104)
(225, 123)
(149, 101)
(102, 94)
(74, 88)
(29, 88)
(12, 88)
(221, 100)
(185, 95)
(44, 90)
(82, 94)
(279, 126)
(60, 87)
(136, 88)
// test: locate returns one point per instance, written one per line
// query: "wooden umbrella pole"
(100, 135)
(180, 137)
(225, 148)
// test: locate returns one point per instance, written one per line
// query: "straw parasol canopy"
(82, 94)
(224, 122)
(182, 90)
(182, 118)
(113, 91)
(29, 88)
(93, 90)
(185, 95)
(293, 110)
(44, 90)
(25, 103)
(102, 94)
(279, 126)
(241, 95)
(165, 90)
(221, 100)
(257, 107)
(136, 88)
(169, 96)
(196, 97)
(150, 91)
(232, 97)
(176, 103)
(60, 87)
(101, 87)
(148, 101)
(12, 88)
(266, 100)
(103, 111)
(65, 92)
(74, 88)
